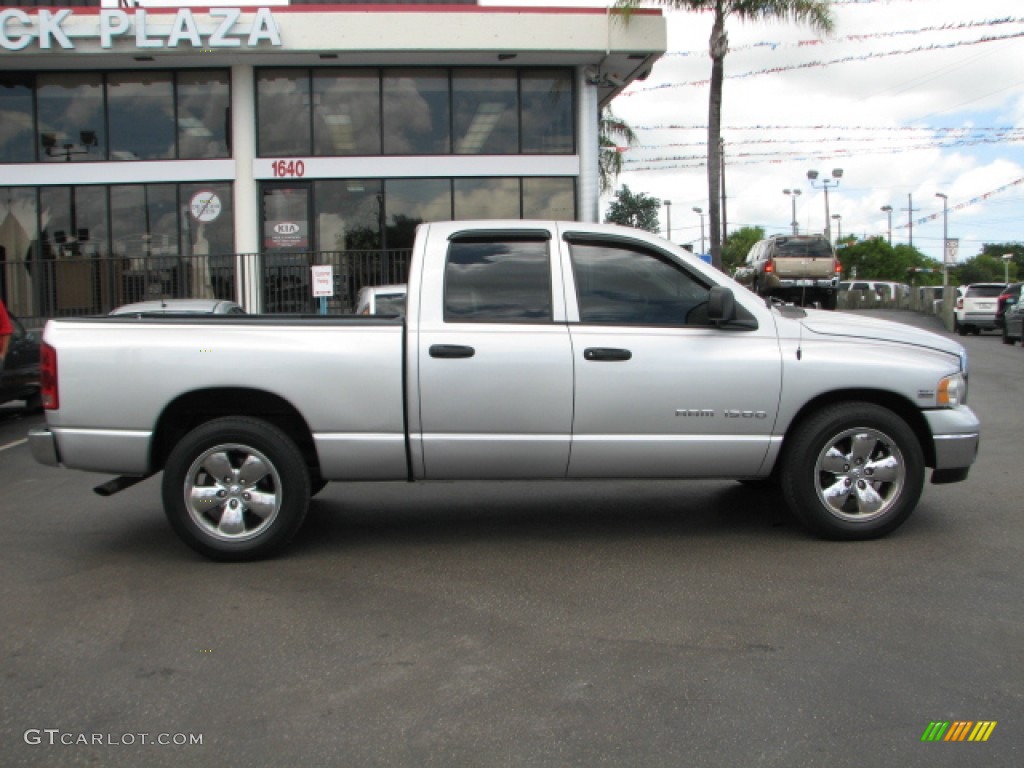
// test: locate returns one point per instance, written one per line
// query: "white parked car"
(180, 307)
(382, 300)
(975, 309)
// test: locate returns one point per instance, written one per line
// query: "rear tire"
(236, 489)
(852, 471)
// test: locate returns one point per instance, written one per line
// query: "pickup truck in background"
(799, 269)
(529, 350)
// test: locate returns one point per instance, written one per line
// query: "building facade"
(204, 151)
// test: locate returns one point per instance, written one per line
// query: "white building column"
(588, 148)
(249, 278)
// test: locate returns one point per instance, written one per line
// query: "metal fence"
(38, 289)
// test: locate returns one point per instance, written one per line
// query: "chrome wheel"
(236, 488)
(860, 474)
(233, 492)
(852, 471)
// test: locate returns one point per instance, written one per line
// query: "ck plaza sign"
(49, 29)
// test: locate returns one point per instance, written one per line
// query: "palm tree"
(614, 134)
(815, 13)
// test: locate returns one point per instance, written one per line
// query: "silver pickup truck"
(531, 350)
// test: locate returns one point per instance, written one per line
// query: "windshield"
(984, 291)
(815, 246)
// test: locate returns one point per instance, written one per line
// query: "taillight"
(48, 377)
(960, 303)
(769, 266)
(838, 267)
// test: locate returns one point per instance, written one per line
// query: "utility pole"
(910, 216)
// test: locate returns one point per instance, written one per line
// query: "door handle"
(449, 351)
(606, 354)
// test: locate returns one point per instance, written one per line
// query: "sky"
(909, 98)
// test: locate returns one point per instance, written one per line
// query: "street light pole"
(837, 174)
(793, 194)
(1007, 258)
(668, 217)
(888, 210)
(700, 212)
(839, 226)
(945, 237)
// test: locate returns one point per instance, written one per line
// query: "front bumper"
(956, 435)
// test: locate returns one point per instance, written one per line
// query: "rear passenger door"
(494, 360)
(660, 390)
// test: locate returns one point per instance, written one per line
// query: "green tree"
(738, 245)
(1016, 263)
(614, 134)
(983, 268)
(875, 259)
(634, 210)
(815, 13)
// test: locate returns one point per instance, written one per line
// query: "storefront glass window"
(346, 112)
(486, 198)
(416, 113)
(70, 111)
(485, 104)
(140, 113)
(409, 202)
(349, 214)
(547, 112)
(204, 100)
(18, 222)
(208, 238)
(549, 198)
(17, 144)
(283, 106)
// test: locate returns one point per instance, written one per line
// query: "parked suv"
(802, 269)
(1005, 303)
(975, 310)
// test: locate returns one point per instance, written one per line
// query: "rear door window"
(498, 280)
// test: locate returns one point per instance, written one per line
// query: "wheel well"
(190, 410)
(899, 405)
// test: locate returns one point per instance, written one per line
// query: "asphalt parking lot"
(529, 624)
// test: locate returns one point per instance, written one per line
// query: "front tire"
(852, 471)
(236, 489)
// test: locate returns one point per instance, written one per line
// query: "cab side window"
(620, 285)
(497, 280)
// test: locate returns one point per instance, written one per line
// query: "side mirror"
(721, 305)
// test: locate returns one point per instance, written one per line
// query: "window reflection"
(547, 112)
(489, 282)
(486, 198)
(485, 104)
(621, 286)
(349, 214)
(415, 110)
(410, 202)
(283, 100)
(18, 234)
(346, 112)
(140, 113)
(17, 143)
(70, 109)
(204, 100)
(549, 198)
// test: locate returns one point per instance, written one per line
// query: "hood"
(863, 327)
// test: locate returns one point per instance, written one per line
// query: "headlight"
(952, 391)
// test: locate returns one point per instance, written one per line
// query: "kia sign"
(287, 235)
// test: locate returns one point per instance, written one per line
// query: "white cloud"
(805, 118)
